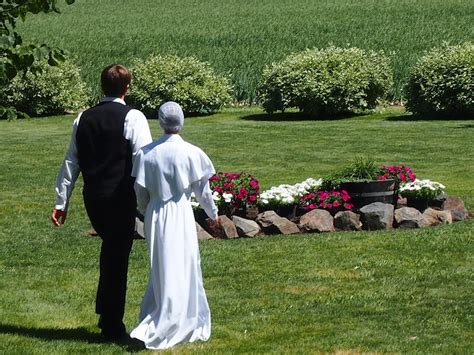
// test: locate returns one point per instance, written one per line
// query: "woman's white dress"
(174, 309)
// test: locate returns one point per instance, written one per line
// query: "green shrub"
(442, 82)
(188, 81)
(326, 81)
(46, 91)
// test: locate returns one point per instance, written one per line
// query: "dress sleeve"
(204, 196)
(68, 173)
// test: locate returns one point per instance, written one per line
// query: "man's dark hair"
(114, 80)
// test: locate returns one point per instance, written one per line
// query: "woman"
(174, 309)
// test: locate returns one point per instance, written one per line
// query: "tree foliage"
(15, 56)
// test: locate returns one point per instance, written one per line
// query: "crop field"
(240, 37)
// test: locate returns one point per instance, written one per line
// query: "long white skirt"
(174, 309)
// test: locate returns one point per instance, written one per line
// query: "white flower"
(286, 194)
(215, 196)
(227, 197)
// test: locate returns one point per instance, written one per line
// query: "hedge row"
(319, 82)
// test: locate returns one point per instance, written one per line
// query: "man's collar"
(113, 99)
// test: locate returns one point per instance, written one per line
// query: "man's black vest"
(105, 156)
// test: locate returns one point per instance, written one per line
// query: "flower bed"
(320, 209)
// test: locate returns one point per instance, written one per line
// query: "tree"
(15, 56)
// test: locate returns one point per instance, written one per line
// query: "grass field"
(398, 291)
(241, 37)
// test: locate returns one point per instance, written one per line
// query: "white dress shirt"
(135, 130)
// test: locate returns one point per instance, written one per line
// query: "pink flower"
(218, 189)
(253, 198)
(348, 205)
(244, 191)
(240, 196)
(312, 206)
(336, 204)
(329, 205)
(253, 184)
(402, 177)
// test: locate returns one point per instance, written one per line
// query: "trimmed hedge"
(188, 81)
(327, 81)
(442, 83)
(49, 90)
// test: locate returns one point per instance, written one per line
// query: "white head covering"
(171, 116)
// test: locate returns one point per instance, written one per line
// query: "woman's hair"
(114, 80)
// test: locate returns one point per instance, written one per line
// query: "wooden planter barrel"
(365, 193)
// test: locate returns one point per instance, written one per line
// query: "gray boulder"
(246, 227)
(272, 223)
(456, 206)
(376, 216)
(409, 217)
(317, 220)
(347, 221)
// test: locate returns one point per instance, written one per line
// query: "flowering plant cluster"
(234, 190)
(422, 189)
(287, 195)
(399, 173)
(330, 200)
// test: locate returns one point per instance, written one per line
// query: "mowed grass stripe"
(240, 38)
(395, 291)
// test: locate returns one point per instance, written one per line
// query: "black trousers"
(113, 218)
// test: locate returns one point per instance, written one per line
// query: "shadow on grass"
(411, 117)
(297, 116)
(74, 334)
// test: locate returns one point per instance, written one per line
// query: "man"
(104, 142)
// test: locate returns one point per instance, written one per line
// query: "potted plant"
(366, 182)
(332, 201)
(284, 199)
(235, 193)
(421, 194)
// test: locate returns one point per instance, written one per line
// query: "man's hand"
(58, 217)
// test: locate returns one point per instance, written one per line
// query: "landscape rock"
(347, 221)
(202, 233)
(433, 217)
(272, 223)
(409, 217)
(376, 216)
(456, 206)
(317, 220)
(246, 227)
(226, 228)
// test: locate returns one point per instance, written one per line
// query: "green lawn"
(398, 291)
(241, 37)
